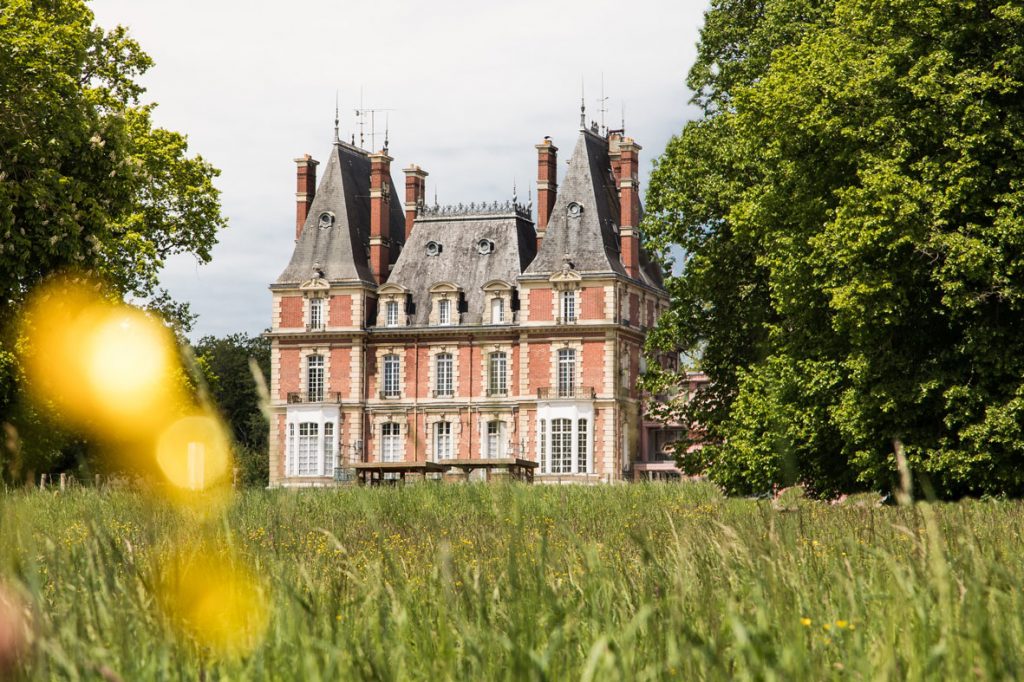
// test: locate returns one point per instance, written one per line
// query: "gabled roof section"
(463, 263)
(590, 239)
(340, 252)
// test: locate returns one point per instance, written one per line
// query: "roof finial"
(336, 138)
(435, 196)
(515, 194)
(623, 126)
(386, 123)
(583, 107)
(529, 197)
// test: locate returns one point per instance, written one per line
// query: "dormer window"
(433, 248)
(444, 312)
(325, 221)
(497, 310)
(574, 209)
(391, 314)
(484, 247)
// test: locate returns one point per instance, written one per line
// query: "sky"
(466, 89)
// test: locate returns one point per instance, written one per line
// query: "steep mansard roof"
(458, 233)
(341, 251)
(590, 240)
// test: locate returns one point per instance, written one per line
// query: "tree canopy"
(87, 182)
(850, 208)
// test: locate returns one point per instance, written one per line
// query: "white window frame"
(390, 442)
(391, 383)
(565, 441)
(566, 373)
(391, 314)
(567, 306)
(444, 380)
(497, 373)
(497, 310)
(315, 378)
(316, 313)
(329, 449)
(443, 440)
(582, 445)
(561, 446)
(444, 312)
(308, 454)
(494, 445)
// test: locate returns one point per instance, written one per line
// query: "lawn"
(485, 582)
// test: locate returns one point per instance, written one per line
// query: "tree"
(850, 206)
(86, 181)
(236, 393)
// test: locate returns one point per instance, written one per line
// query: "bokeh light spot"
(194, 453)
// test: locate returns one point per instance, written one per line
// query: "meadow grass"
(492, 582)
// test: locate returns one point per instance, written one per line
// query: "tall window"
(291, 450)
(561, 446)
(444, 311)
(497, 379)
(329, 462)
(442, 440)
(390, 442)
(566, 372)
(497, 310)
(315, 378)
(307, 453)
(391, 313)
(581, 446)
(443, 375)
(568, 300)
(494, 442)
(392, 383)
(316, 313)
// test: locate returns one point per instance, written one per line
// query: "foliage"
(234, 390)
(512, 582)
(850, 208)
(87, 183)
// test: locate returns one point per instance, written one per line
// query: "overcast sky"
(471, 88)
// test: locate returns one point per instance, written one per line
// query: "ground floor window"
(390, 442)
(311, 446)
(443, 440)
(494, 444)
(564, 446)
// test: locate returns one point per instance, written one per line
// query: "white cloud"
(472, 87)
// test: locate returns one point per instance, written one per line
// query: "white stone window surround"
(452, 350)
(574, 412)
(304, 371)
(501, 291)
(444, 291)
(326, 451)
(485, 368)
(381, 353)
(316, 311)
(574, 344)
(403, 432)
(506, 438)
(452, 418)
(398, 296)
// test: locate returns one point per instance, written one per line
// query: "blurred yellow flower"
(842, 624)
(806, 622)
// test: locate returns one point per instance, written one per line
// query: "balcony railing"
(316, 327)
(497, 392)
(576, 392)
(297, 398)
(390, 395)
(566, 320)
(444, 393)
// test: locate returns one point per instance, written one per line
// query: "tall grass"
(483, 582)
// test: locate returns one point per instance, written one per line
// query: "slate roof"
(341, 251)
(591, 239)
(459, 261)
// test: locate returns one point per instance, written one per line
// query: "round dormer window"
(325, 221)
(484, 246)
(575, 209)
(433, 248)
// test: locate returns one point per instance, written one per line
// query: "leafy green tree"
(850, 208)
(86, 181)
(235, 391)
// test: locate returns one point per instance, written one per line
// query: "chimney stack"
(629, 203)
(305, 190)
(415, 194)
(547, 185)
(380, 216)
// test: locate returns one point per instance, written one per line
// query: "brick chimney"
(547, 185)
(629, 203)
(305, 190)
(380, 215)
(415, 194)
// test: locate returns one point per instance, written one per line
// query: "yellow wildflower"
(806, 622)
